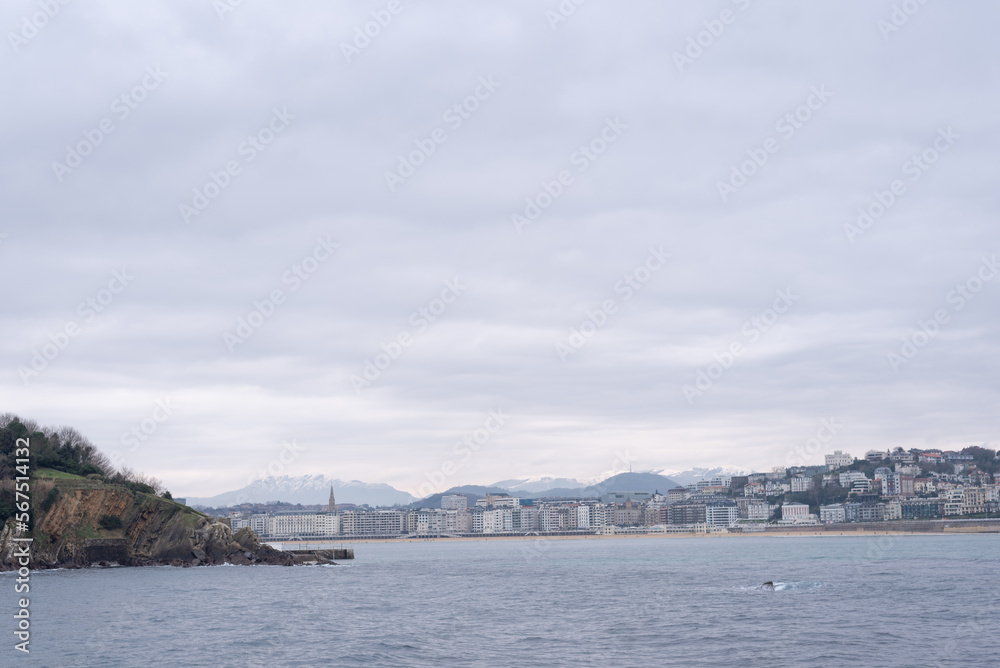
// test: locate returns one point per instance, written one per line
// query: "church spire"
(333, 502)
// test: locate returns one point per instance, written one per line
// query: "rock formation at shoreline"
(80, 522)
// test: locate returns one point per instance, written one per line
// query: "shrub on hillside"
(50, 499)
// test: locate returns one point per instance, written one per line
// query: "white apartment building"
(598, 515)
(838, 459)
(720, 515)
(801, 484)
(847, 478)
(761, 510)
(525, 518)
(499, 501)
(832, 513)
(454, 502)
(372, 522)
(954, 500)
(289, 525)
(774, 488)
(549, 519)
(498, 520)
(862, 486)
(893, 510)
(794, 511)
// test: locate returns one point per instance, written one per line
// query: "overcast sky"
(623, 124)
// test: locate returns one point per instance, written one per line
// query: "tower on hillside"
(333, 502)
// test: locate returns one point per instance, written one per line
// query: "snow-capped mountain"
(307, 489)
(694, 475)
(539, 483)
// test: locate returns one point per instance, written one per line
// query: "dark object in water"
(768, 586)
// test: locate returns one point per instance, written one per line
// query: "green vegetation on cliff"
(84, 511)
(61, 454)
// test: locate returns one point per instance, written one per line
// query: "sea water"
(837, 601)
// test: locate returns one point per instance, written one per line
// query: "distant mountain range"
(539, 484)
(315, 489)
(307, 490)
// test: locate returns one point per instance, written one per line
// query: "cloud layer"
(276, 166)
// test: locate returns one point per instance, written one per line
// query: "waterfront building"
(627, 514)
(893, 510)
(794, 511)
(598, 515)
(372, 522)
(921, 509)
(288, 525)
(721, 514)
(524, 519)
(871, 512)
(760, 510)
(832, 513)
(687, 513)
(974, 501)
(498, 520)
(954, 500)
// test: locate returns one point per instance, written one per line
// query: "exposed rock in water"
(153, 531)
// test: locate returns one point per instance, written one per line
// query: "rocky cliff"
(78, 522)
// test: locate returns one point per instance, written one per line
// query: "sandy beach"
(777, 533)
